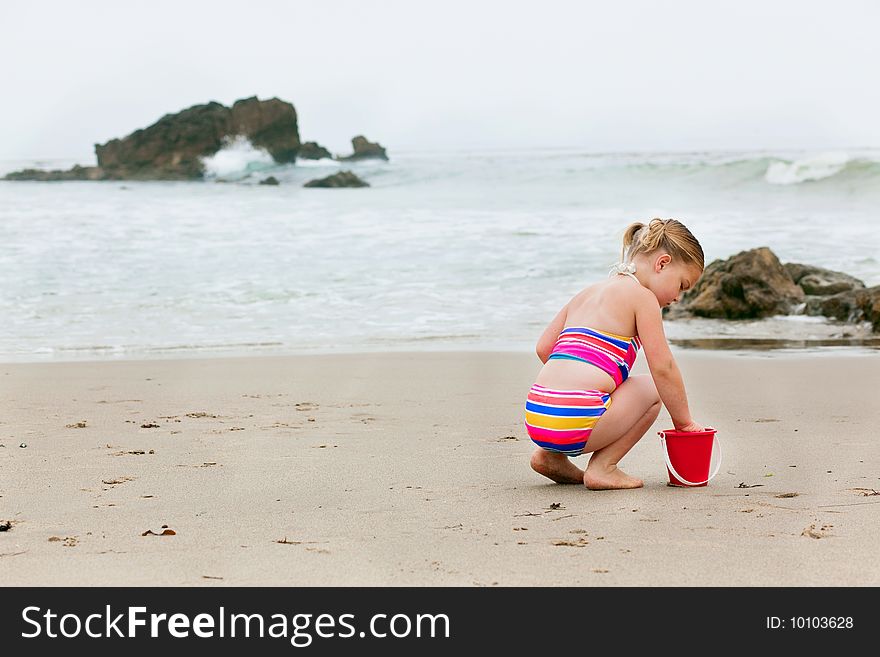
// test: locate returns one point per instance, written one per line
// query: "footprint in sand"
(306, 406)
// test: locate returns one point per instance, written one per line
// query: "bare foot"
(599, 477)
(556, 467)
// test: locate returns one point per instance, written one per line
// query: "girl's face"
(670, 278)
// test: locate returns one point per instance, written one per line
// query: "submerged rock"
(364, 150)
(271, 180)
(341, 179)
(76, 173)
(748, 285)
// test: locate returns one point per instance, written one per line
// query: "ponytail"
(669, 235)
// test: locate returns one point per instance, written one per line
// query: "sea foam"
(237, 159)
(808, 169)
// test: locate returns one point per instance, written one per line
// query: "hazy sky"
(477, 74)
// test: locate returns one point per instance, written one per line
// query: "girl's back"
(606, 307)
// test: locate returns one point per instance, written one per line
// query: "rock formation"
(341, 179)
(76, 173)
(749, 285)
(364, 150)
(313, 151)
(821, 282)
(754, 284)
(271, 180)
(173, 147)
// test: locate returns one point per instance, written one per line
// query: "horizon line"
(582, 149)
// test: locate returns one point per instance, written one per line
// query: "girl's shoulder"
(621, 287)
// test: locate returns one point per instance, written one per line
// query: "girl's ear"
(662, 261)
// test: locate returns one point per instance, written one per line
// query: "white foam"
(323, 162)
(812, 168)
(237, 159)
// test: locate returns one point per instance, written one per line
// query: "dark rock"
(173, 147)
(269, 124)
(868, 301)
(821, 282)
(271, 180)
(313, 151)
(76, 173)
(859, 305)
(841, 306)
(341, 179)
(748, 285)
(365, 150)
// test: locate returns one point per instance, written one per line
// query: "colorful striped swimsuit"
(562, 420)
(614, 354)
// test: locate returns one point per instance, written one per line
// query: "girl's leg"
(556, 466)
(634, 407)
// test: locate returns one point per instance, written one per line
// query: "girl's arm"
(551, 333)
(664, 370)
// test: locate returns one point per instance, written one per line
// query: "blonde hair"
(669, 235)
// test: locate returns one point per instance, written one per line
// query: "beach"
(411, 469)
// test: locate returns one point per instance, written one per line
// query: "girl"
(584, 399)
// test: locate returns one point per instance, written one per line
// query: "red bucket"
(688, 456)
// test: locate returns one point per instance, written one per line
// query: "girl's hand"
(690, 426)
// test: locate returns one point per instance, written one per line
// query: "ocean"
(445, 250)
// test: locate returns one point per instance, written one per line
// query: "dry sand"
(412, 469)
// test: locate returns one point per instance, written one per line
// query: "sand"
(412, 469)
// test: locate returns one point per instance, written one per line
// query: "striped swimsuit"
(562, 420)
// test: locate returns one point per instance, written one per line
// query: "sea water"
(444, 250)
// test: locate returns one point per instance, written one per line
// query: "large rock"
(313, 151)
(173, 147)
(748, 285)
(364, 150)
(821, 282)
(341, 179)
(269, 124)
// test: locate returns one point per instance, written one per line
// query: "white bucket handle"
(715, 444)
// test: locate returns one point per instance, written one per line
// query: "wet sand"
(412, 469)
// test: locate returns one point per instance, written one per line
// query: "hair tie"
(623, 268)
